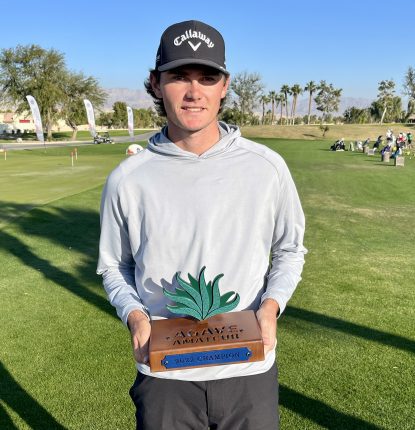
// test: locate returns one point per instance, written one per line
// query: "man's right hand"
(140, 329)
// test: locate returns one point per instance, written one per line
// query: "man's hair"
(158, 103)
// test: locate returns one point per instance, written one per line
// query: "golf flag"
(36, 117)
(130, 121)
(91, 117)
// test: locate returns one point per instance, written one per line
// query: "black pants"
(243, 403)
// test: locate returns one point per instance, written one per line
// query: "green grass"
(35, 177)
(347, 338)
(350, 132)
(345, 343)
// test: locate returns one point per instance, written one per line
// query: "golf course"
(346, 341)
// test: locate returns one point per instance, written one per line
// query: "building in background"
(11, 122)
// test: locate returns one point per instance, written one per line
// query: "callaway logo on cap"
(191, 42)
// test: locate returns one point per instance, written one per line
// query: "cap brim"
(188, 61)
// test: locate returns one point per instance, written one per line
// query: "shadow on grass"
(5, 420)
(53, 273)
(23, 404)
(352, 329)
(320, 413)
(78, 229)
(71, 229)
(61, 135)
(11, 211)
(379, 162)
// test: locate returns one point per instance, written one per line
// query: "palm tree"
(271, 96)
(285, 89)
(296, 90)
(280, 99)
(264, 99)
(310, 87)
(277, 100)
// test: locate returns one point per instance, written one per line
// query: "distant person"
(378, 143)
(366, 142)
(386, 148)
(409, 140)
(399, 145)
(338, 145)
(389, 135)
(396, 152)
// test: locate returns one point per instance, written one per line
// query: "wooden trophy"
(208, 336)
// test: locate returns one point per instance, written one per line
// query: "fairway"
(345, 343)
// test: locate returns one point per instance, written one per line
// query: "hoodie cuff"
(133, 307)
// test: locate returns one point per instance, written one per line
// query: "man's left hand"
(267, 319)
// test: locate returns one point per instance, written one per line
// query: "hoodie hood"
(161, 144)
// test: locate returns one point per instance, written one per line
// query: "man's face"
(191, 96)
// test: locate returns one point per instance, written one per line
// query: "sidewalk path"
(34, 144)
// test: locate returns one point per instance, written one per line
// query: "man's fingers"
(140, 353)
(268, 325)
(140, 356)
(269, 341)
(140, 329)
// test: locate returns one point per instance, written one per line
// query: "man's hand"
(140, 329)
(267, 319)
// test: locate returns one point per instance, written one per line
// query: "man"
(389, 135)
(409, 140)
(200, 195)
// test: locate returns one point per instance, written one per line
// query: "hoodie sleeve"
(116, 263)
(287, 250)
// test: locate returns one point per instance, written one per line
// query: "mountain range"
(134, 98)
(345, 103)
(140, 99)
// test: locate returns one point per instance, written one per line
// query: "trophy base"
(183, 343)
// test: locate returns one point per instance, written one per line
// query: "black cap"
(191, 42)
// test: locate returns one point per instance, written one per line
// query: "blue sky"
(352, 44)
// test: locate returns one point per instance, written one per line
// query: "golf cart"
(105, 138)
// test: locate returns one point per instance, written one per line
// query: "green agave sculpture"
(199, 299)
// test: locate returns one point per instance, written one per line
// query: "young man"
(200, 195)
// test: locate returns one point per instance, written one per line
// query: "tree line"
(388, 106)
(248, 93)
(60, 92)
(117, 118)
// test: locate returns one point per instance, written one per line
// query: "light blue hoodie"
(166, 210)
